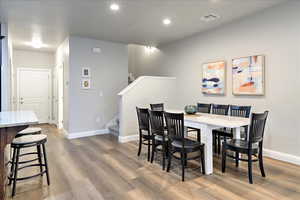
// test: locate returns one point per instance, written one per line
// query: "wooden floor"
(100, 168)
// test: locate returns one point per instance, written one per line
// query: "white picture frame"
(86, 72)
(85, 83)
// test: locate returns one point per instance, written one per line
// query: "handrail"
(139, 79)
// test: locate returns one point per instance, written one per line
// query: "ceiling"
(137, 21)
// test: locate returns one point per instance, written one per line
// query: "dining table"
(11, 122)
(209, 122)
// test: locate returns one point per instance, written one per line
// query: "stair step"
(114, 128)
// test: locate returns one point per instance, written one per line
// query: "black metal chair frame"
(254, 145)
(175, 128)
(159, 137)
(144, 125)
(13, 176)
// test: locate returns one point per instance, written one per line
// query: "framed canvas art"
(248, 75)
(213, 78)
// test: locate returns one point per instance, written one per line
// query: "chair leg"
(140, 145)
(219, 144)
(46, 164)
(164, 156)
(215, 142)
(237, 156)
(198, 136)
(250, 168)
(202, 161)
(185, 160)
(224, 152)
(11, 173)
(15, 176)
(261, 164)
(169, 158)
(153, 150)
(182, 158)
(40, 158)
(149, 150)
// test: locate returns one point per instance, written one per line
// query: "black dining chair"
(145, 137)
(179, 144)
(253, 146)
(218, 109)
(236, 111)
(201, 108)
(159, 137)
(157, 107)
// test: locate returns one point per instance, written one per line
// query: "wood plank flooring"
(98, 167)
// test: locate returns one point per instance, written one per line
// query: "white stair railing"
(142, 92)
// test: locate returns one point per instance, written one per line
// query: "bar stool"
(30, 131)
(27, 131)
(25, 142)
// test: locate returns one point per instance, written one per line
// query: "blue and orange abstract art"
(213, 78)
(248, 75)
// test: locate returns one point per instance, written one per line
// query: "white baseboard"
(124, 139)
(85, 133)
(282, 156)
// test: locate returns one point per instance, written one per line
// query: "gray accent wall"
(92, 109)
(274, 33)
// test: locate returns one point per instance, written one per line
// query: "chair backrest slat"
(240, 111)
(257, 127)
(175, 125)
(203, 107)
(157, 122)
(143, 118)
(157, 107)
(218, 109)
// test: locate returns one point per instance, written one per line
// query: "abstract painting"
(213, 78)
(248, 75)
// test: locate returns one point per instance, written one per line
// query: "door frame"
(19, 69)
(60, 101)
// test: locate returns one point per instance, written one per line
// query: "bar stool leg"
(11, 173)
(15, 176)
(46, 164)
(38, 147)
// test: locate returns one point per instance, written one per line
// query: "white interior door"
(34, 92)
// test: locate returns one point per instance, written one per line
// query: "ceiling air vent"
(210, 17)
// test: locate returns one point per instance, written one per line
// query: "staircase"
(113, 126)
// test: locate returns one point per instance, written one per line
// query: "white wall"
(90, 110)
(28, 58)
(6, 80)
(274, 33)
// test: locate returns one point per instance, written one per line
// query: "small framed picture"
(86, 72)
(86, 84)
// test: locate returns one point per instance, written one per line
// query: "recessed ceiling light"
(210, 17)
(167, 21)
(114, 7)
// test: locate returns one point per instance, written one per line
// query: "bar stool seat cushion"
(31, 130)
(29, 139)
